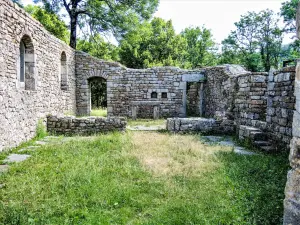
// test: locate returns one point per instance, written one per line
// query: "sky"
(217, 15)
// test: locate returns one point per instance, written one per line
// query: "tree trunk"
(73, 24)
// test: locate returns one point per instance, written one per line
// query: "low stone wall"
(70, 125)
(186, 125)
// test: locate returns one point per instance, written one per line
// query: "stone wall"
(135, 93)
(203, 125)
(70, 125)
(25, 100)
(250, 104)
(292, 189)
(281, 105)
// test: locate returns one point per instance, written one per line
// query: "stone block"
(296, 124)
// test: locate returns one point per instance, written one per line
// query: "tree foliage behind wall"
(256, 41)
(98, 92)
(50, 21)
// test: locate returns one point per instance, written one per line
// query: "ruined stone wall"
(23, 103)
(220, 89)
(70, 125)
(281, 105)
(250, 103)
(292, 189)
(135, 93)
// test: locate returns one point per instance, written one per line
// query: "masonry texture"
(40, 75)
(70, 125)
(292, 189)
(24, 103)
(135, 93)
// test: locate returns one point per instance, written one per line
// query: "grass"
(146, 122)
(143, 178)
(99, 112)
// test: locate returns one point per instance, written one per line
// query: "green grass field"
(99, 112)
(143, 178)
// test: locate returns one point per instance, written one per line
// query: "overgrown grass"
(146, 122)
(99, 112)
(143, 178)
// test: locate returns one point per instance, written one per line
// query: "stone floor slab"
(145, 128)
(16, 158)
(243, 151)
(4, 168)
(227, 143)
(40, 142)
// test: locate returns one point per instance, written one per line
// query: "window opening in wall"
(164, 95)
(154, 95)
(22, 62)
(27, 63)
(63, 72)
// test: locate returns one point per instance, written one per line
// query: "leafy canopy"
(153, 44)
(256, 41)
(98, 47)
(50, 21)
(115, 16)
(201, 48)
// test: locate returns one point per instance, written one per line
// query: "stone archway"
(83, 94)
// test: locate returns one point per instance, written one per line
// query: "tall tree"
(116, 16)
(257, 39)
(152, 44)
(201, 48)
(288, 12)
(50, 21)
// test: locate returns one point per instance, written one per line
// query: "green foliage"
(256, 42)
(41, 130)
(96, 46)
(288, 12)
(98, 92)
(153, 44)
(117, 17)
(201, 48)
(50, 21)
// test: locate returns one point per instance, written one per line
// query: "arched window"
(22, 62)
(63, 72)
(26, 72)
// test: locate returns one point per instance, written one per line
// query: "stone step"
(268, 148)
(258, 136)
(262, 143)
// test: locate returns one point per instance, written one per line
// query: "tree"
(116, 16)
(288, 12)
(201, 49)
(96, 46)
(257, 39)
(153, 44)
(50, 21)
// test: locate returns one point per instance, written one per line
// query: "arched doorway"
(98, 96)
